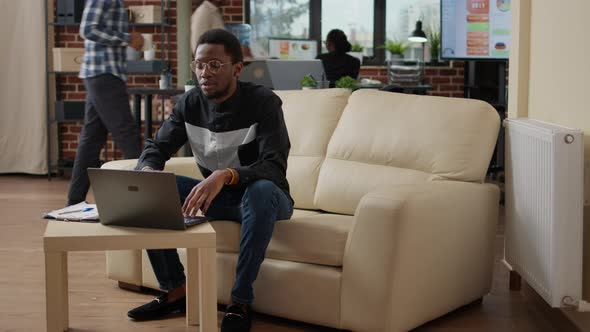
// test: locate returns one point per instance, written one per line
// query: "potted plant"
(308, 82)
(189, 84)
(396, 48)
(434, 45)
(347, 82)
(357, 51)
(356, 47)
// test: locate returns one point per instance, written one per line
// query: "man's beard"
(218, 94)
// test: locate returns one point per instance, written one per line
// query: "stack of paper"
(78, 212)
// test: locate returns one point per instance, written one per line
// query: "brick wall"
(70, 87)
(446, 81)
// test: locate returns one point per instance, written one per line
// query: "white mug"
(149, 55)
(147, 41)
(162, 84)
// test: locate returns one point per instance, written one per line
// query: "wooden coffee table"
(199, 241)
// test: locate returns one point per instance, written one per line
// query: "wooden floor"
(97, 304)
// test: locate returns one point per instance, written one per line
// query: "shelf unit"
(486, 80)
(134, 68)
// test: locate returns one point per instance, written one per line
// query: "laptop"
(282, 74)
(139, 199)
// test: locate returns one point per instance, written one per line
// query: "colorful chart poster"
(292, 49)
(475, 29)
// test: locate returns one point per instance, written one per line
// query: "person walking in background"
(104, 28)
(207, 16)
(336, 62)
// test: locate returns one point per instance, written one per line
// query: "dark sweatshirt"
(246, 132)
(338, 65)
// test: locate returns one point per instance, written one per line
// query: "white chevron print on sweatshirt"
(218, 150)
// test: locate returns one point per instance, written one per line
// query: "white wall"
(23, 138)
(550, 73)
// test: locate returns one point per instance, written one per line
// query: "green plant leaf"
(356, 47)
(308, 81)
(347, 82)
(395, 46)
(434, 44)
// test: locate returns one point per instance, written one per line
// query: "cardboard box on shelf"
(146, 14)
(67, 59)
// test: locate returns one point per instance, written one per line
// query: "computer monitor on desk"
(281, 74)
(292, 49)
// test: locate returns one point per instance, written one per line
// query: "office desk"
(418, 89)
(147, 93)
(371, 86)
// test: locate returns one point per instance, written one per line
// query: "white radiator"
(544, 202)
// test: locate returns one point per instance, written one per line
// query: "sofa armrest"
(178, 165)
(416, 252)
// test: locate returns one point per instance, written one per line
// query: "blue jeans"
(257, 208)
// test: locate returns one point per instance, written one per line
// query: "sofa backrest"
(310, 116)
(384, 139)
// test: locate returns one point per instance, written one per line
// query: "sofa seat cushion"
(308, 237)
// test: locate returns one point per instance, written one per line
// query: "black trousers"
(107, 110)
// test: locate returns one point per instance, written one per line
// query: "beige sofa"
(394, 226)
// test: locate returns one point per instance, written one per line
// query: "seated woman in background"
(336, 62)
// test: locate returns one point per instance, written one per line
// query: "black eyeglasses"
(214, 66)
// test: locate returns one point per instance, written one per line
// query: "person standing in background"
(104, 28)
(207, 16)
(337, 63)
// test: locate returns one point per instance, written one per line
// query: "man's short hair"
(227, 39)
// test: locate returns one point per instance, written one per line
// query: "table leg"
(56, 291)
(208, 289)
(192, 286)
(148, 116)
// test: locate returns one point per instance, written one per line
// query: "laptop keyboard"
(192, 221)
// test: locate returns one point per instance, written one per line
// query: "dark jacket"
(246, 132)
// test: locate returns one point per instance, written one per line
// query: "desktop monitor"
(475, 29)
(292, 49)
(281, 74)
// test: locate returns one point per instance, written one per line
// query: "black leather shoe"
(157, 308)
(237, 319)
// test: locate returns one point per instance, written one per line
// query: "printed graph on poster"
(475, 29)
(292, 49)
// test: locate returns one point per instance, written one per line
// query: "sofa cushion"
(386, 138)
(344, 183)
(308, 237)
(310, 116)
(179, 165)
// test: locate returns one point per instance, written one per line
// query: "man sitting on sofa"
(240, 141)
